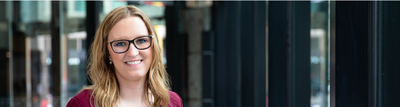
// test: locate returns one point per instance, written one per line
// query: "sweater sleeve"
(73, 103)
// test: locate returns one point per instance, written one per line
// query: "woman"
(125, 65)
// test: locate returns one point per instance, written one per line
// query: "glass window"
(73, 53)
(31, 54)
(4, 54)
(319, 54)
(108, 6)
(80, 6)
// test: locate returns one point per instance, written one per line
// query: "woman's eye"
(120, 44)
(141, 41)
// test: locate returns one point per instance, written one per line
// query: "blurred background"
(218, 53)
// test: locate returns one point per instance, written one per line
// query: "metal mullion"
(233, 58)
(277, 54)
(332, 52)
(55, 48)
(93, 9)
(260, 53)
(373, 54)
(208, 63)
(351, 54)
(299, 46)
(379, 54)
(247, 47)
(220, 51)
(9, 12)
(62, 52)
(289, 53)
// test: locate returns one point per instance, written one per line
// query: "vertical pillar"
(93, 9)
(176, 47)
(253, 50)
(351, 54)
(56, 59)
(289, 54)
(228, 62)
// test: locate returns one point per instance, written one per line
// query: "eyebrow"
(124, 38)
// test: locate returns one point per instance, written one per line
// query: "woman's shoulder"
(174, 100)
(82, 99)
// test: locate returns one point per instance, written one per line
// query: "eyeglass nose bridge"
(129, 46)
(133, 43)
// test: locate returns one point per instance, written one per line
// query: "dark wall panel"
(351, 54)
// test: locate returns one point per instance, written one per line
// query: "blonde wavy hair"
(105, 88)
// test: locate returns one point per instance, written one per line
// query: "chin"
(137, 74)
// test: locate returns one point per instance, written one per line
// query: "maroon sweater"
(82, 99)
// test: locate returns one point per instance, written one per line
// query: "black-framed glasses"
(141, 43)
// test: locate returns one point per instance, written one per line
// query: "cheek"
(148, 54)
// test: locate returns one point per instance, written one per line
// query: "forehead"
(128, 28)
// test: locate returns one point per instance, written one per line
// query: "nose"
(133, 51)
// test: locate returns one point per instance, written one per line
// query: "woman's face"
(133, 64)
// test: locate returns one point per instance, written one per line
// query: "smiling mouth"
(133, 62)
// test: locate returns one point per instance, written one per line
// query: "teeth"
(134, 62)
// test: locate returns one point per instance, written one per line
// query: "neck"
(131, 91)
